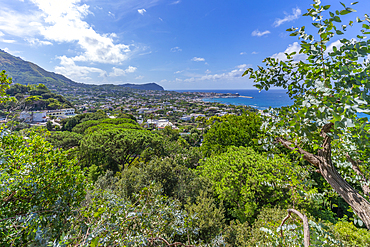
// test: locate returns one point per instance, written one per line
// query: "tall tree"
(4, 85)
(330, 87)
(118, 147)
(39, 188)
(231, 130)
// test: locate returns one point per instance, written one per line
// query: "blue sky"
(179, 44)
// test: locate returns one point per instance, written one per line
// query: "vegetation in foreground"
(110, 182)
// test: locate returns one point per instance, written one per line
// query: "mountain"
(25, 73)
(147, 86)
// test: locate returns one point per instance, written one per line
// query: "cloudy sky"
(179, 44)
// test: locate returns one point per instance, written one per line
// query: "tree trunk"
(306, 228)
(358, 203)
(323, 161)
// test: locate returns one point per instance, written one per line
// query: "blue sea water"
(261, 100)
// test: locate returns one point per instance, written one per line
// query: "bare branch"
(306, 228)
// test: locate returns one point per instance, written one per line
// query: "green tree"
(116, 148)
(4, 85)
(245, 181)
(69, 123)
(39, 188)
(231, 130)
(330, 88)
(64, 139)
(82, 127)
(49, 125)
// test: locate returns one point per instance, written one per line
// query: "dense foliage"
(37, 97)
(231, 130)
(106, 181)
(330, 89)
(39, 188)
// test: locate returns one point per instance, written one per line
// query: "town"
(151, 108)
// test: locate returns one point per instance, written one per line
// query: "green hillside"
(25, 73)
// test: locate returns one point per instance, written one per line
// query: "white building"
(33, 116)
(186, 118)
(161, 123)
(62, 113)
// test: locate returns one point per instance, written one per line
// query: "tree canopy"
(231, 130)
(118, 148)
(246, 180)
(39, 188)
(330, 89)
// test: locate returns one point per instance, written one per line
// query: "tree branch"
(306, 155)
(151, 240)
(306, 228)
(356, 169)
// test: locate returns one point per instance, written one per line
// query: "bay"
(260, 100)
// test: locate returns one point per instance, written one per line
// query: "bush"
(39, 189)
(350, 235)
(207, 217)
(246, 181)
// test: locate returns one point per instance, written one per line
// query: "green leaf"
(94, 242)
(344, 12)
(337, 19)
(351, 10)
(326, 7)
(339, 32)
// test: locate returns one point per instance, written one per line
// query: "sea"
(260, 100)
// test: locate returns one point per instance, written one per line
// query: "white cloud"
(208, 71)
(75, 72)
(111, 14)
(337, 44)
(141, 11)
(176, 49)
(37, 42)
(243, 53)
(295, 47)
(121, 72)
(176, 2)
(9, 41)
(198, 59)
(296, 14)
(19, 24)
(66, 17)
(232, 75)
(254, 52)
(242, 66)
(160, 19)
(63, 22)
(139, 77)
(6, 49)
(259, 34)
(178, 72)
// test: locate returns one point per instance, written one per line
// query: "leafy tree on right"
(330, 88)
